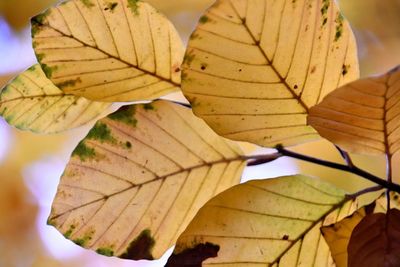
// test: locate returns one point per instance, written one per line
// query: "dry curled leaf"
(138, 178)
(272, 222)
(254, 68)
(108, 50)
(32, 102)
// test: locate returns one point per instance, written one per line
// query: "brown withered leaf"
(375, 241)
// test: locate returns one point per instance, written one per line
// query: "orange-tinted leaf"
(363, 116)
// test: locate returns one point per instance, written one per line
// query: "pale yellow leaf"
(253, 68)
(32, 102)
(362, 116)
(272, 222)
(108, 50)
(138, 178)
(338, 235)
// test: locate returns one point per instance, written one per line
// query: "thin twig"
(364, 191)
(261, 159)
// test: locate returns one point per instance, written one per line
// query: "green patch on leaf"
(41, 17)
(35, 27)
(339, 26)
(133, 5)
(204, 19)
(101, 132)
(68, 233)
(68, 83)
(84, 240)
(141, 247)
(189, 59)
(87, 3)
(105, 252)
(48, 70)
(125, 114)
(148, 106)
(84, 152)
(325, 7)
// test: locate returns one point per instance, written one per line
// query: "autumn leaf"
(338, 235)
(375, 241)
(138, 178)
(264, 222)
(108, 50)
(32, 102)
(254, 68)
(362, 117)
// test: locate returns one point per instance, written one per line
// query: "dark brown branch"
(350, 167)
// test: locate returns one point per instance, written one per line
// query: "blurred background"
(31, 164)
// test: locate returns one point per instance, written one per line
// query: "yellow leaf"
(108, 50)
(254, 68)
(375, 241)
(265, 223)
(138, 178)
(362, 117)
(32, 102)
(338, 234)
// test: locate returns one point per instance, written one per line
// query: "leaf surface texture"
(272, 222)
(254, 68)
(108, 50)
(138, 178)
(32, 102)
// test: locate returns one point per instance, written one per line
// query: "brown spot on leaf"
(193, 257)
(140, 248)
(285, 237)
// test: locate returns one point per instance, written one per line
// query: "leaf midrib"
(189, 169)
(319, 220)
(34, 97)
(257, 44)
(106, 53)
